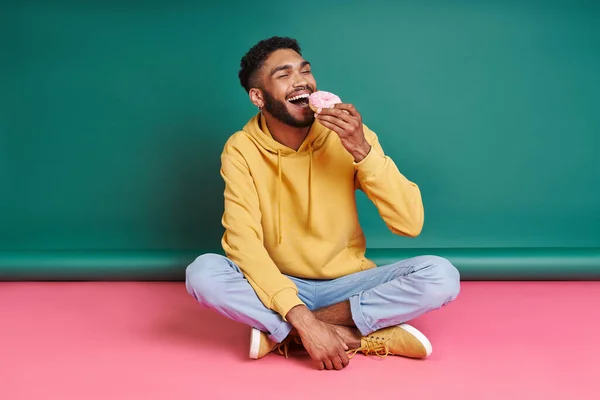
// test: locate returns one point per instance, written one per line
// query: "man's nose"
(300, 80)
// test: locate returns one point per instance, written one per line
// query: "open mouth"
(300, 101)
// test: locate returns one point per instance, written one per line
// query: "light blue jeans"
(379, 297)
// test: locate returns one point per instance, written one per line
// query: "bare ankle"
(350, 335)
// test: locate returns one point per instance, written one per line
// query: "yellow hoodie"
(294, 213)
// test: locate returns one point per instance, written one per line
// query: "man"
(295, 266)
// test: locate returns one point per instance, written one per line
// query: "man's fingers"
(344, 358)
(338, 113)
(328, 364)
(331, 126)
(333, 120)
(349, 108)
(337, 363)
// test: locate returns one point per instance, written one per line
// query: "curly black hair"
(254, 59)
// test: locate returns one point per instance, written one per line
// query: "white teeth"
(302, 96)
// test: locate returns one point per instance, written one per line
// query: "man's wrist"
(300, 317)
(361, 152)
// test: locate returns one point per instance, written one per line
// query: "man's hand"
(347, 123)
(320, 339)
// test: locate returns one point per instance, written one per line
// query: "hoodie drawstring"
(310, 155)
(279, 196)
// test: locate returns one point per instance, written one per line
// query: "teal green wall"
(113, 117)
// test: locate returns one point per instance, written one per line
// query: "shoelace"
(283, 347)
(373, 345)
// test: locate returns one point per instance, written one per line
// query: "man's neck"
(287, 135)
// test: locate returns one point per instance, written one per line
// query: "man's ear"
(256, 97)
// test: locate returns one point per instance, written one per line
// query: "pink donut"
(322, 99)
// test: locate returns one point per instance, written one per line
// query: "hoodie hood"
(257, 129)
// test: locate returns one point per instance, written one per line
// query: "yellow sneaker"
(402, 340)
(261, 345)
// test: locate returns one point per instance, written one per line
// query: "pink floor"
(151, 341)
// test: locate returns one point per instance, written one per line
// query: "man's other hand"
(320, 339)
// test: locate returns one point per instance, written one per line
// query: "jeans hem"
(358, 316)
(282, 331)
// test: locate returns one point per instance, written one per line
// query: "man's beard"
(280, 112)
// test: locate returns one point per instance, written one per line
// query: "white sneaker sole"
(420, 337)
(254, 343)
